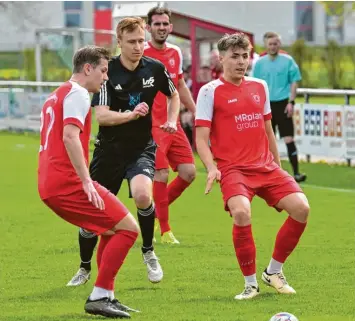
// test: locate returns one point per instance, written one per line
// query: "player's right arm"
(107, 117)
(204, 115)
(75, 108)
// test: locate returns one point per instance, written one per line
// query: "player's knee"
(288, 139)
(133, 226)
(162, 175)
(128, 223)
(241, 215)
(142, 199)
(188, 173)
(301, 212)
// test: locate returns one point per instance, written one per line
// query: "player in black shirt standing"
(124, 148)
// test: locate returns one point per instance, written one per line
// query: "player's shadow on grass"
(60, 293)
(144, 288)
(228, 298)
(59, 251)
(77, 316)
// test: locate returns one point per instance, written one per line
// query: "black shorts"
(280, 120)
(109, 167)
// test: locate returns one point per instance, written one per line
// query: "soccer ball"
(283, 316)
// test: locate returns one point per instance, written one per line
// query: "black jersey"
(124, 90)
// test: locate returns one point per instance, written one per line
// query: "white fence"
(320, 130)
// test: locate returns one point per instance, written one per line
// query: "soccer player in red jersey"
(64, 183)
(173, 150)
(233, 114)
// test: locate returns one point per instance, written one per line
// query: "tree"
(303, 57)
(340, 9)
(332, 57)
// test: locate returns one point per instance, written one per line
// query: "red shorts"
(270, 186)
(76, 209)
(173, 149)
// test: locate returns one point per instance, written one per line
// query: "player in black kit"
(124, 148)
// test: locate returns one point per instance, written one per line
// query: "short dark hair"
(89, 55)
(235, 40)
(129, 24)
(158, 11)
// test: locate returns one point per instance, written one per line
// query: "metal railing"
(308, 92)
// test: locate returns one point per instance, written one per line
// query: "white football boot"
(155, 272)
(278, 282)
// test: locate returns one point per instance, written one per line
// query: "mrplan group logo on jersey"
(245, 121)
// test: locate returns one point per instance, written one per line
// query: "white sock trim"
(99, 293)
(274, 267)
(251, 280)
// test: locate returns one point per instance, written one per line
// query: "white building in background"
(292, 19)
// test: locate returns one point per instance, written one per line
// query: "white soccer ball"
(283, 316)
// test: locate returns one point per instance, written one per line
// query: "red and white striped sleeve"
(204, 106)
(76, 106)
(267, 107)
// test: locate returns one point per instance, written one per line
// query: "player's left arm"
(268, 127)
(185, 96)
(272, 142)
(173, 107)
(203, 123)
(167, 87)
(294, 76)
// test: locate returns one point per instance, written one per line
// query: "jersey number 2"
(49, 126)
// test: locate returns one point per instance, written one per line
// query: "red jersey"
(171, 57)
(264, 53)
(236, 116)
(68, 104)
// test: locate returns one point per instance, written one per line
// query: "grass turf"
(40, 253)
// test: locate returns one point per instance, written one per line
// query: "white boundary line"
(324, 188)
(341, 190)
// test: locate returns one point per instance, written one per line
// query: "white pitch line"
(341, 190)
(325, 188)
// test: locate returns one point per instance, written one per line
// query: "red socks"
(163, 196)
(100, 249)
(160, 194)
(175, 188)
(245, 249)
(113, 255)
(287, 239)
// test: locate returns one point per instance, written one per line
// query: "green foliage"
(53, 66)
(331, 58)
(29, 66)
(300, 52)
(341, 9)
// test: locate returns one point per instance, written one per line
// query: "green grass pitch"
(39, 253)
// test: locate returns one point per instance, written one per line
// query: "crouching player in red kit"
(233, 113)
(64, 183)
